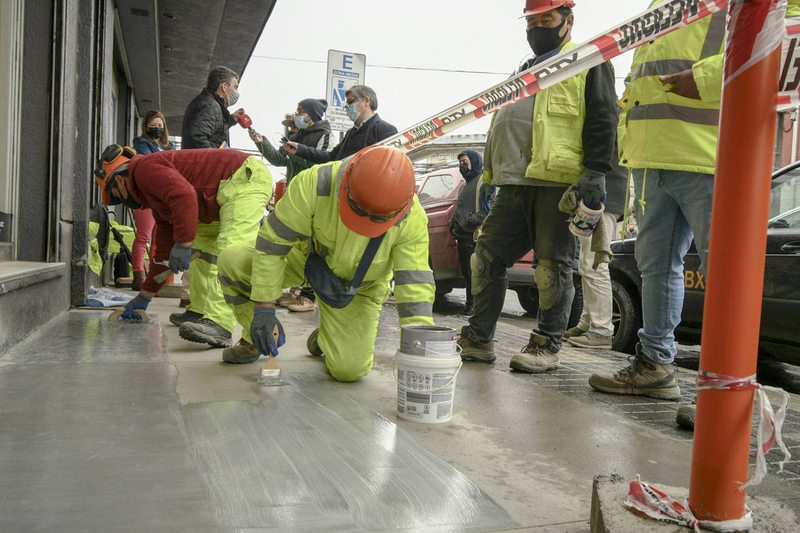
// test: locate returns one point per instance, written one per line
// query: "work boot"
(536, 357)
(685, 417)
(312, 343)
(138, 279)
(241, 354)
(475, 351)
(206, 331)
(590, 339)
(180, 319)
(301, 304)
(574, 332)
(643, 377)
(285, 299)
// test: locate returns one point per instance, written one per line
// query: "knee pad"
(485, 267)
(548, 282)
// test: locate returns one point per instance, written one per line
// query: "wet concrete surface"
(155, 433)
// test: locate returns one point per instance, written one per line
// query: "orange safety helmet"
(377, 190)
(109, 166)
(534, 7)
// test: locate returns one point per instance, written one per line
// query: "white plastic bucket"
(426, 387)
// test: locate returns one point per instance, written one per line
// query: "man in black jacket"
(369, 129)
(206, 120)
(471, 208)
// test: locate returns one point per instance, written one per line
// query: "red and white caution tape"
(636, 31)
(760, 23)
(789, 83)
(770, 423)
(646, 500)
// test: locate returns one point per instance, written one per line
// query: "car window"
(784, 207)
(438, 184)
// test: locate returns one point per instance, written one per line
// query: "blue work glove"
(592, 188)
(140, 302)
(179, 257)
(262, 331)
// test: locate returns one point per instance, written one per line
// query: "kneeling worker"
(203, 201)
(345, 227)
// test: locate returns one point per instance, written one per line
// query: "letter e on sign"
(347, 62)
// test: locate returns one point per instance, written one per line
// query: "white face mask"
(300, 122)
(233, 97)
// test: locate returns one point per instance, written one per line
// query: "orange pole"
(735, 281)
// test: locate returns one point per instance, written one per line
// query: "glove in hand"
(179, 258)
(262, 331)
(139, 302)
(592, 188)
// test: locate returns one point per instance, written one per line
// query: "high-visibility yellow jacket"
(793, 8)
(310, 210)
(559, 113)
(662, 129)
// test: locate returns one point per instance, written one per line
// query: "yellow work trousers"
(242, 200)
(346, 336)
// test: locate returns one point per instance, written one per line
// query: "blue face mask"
(352, 111)
(300, 122)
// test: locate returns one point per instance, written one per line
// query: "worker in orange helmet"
(345, 228)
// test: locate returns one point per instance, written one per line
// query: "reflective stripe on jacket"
(662, 129)
(309, 211)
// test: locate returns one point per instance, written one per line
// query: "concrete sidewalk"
(160, 435)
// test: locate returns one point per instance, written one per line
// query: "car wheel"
(627, 317)
(529, 299)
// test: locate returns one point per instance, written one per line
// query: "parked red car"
(438, 193)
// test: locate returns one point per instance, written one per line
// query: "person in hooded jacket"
(313, 131)
(474, 202)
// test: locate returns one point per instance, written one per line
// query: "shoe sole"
(312, 345)
(532, 369)
(488, 359)
(235, 360)
(300, 310)
(671, 393)
(193, 336)
(179, 323)
(598, 346)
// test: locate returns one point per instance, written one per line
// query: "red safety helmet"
(110, 165)
(534, 7)
(377, 190)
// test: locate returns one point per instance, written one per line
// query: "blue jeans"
(677, 207)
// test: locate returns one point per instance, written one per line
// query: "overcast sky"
(485, 37)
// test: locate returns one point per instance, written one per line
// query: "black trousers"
(466, 247)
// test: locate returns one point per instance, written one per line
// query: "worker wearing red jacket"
(203, 201)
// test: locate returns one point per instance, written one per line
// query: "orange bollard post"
(735, 278)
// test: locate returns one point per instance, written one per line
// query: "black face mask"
(130, 202)
(155, 133)
(464, 169)
(543, 40)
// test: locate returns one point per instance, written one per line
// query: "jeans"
(672, 208)
(597, 304)
(523, 218)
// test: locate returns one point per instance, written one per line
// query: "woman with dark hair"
(154, 138)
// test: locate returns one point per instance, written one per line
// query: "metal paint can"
(428, 340)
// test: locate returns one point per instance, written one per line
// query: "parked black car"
(780, 314)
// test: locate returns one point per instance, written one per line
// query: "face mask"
(300, 122)
(233, 97)
(543, 40)
(464, 169)
(352, 111)
(130, 202)
(155, 133)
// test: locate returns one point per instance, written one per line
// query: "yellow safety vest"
(660, 129)
(558, 116)
(309, 211)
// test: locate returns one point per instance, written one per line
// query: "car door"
(780, 314)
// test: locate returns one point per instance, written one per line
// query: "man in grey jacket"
(535, 149)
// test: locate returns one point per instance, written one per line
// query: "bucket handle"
(447, 384)
(418, 345)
